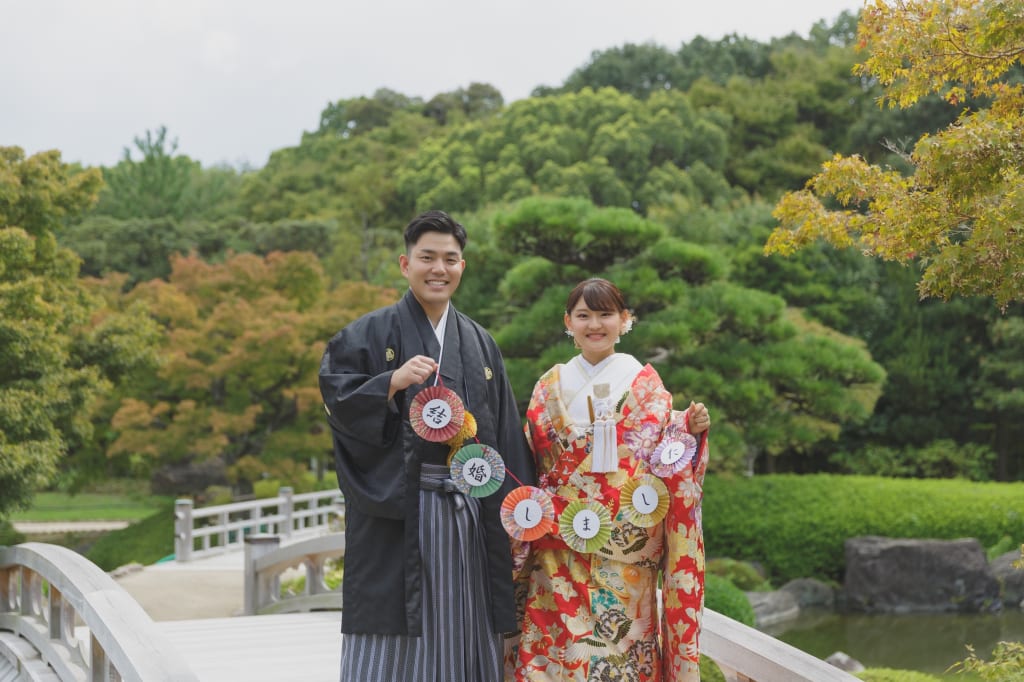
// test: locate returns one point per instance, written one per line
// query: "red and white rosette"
(674, 453)
(527, 513)
(436, 414)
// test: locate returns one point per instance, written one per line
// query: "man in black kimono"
(428, 587)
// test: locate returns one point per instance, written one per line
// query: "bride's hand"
(697, 418)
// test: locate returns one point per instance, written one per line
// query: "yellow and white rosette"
(644, 500)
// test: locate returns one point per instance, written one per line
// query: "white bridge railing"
(742, 653)
(267, 563)
(63, 618)
(221, 528)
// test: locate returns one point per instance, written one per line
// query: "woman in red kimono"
(625, 473)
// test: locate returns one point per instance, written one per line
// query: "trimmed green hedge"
(144, 542)
(795, 526)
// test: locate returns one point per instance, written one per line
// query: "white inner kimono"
(590, 414)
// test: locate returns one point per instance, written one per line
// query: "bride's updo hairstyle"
(599, 294)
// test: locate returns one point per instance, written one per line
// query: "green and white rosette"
(585, 526)
(477, 470)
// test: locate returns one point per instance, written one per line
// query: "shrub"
(942, 458)
(217, 494)
(722, 596)
(267, 489)
(740, 573)
(307, 483)
(334, 572)
(1007, 664)
(1004, 545)
(709, 671)
(8, 535)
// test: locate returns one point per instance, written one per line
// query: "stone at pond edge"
(845, 662)
(773, 607)
(1011, 578)
(811, 593)
(785, 603)
(895, 575)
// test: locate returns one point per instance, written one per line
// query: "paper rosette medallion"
(527, 513)
(436, 414)
(644, 500)
(585, 526)
(674, 453)
(477, 470)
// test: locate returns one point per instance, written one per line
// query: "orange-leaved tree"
(961, 212)
(242, 346)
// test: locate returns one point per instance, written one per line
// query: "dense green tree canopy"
(658, 168)
(60, 349)
(163, 184)
(605, 146)
(142, 248)
(776, 380)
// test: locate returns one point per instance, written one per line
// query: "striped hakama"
(458, 643)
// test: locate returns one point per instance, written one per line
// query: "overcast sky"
(234, 80)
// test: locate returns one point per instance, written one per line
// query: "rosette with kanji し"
(527, 513)
(644, 500)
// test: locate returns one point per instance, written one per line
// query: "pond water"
(924, 642)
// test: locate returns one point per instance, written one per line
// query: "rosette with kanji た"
(585, 526)
(477, 470)
(436, 414)
(527, 513)
(644, 500)
(675, 451)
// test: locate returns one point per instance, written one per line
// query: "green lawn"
(56, 506)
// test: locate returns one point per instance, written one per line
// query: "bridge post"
(287, 509)
(7, 597)
(257, 592)
(28, 578)
(183, 530)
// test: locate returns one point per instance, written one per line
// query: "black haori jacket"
(378, 456)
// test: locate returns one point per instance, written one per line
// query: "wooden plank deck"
(274, 648)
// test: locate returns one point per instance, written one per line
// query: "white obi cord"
(605, 456)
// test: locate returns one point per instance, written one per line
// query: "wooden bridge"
(63, 619)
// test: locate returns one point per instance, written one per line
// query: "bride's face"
(596, 331)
